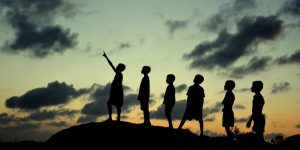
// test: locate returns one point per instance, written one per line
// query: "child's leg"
(109, 110)
(168, 115)
(119, 113)
(182, 121)
(228, 132)
(201, 126)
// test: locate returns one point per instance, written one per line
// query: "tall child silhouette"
(228, 115)
(116, 91)
(257, 107)
(144, 94)
(169, 98)
(195, 101)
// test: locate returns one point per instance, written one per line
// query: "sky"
(53, 75)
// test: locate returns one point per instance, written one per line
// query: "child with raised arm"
(228, 115)
(195, 99)
(169, 98)
(116, 91)
(257, 106)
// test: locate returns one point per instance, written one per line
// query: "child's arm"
(109, 62)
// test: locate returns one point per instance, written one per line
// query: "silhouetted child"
(195, 99)
(144, 94)
(116, 90)
(169, 98)
(257, 107)
(228, 115)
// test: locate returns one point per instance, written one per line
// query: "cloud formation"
(255, 65)
(50, 114)
(123, 45)
(280, 87)
(58, 124)
(291, 7)
(174, 25)
(238, 106)
(53, 95)
(227, 48)
(241, 120)
(298, 126)
(180, 88)
(229, 13)
(34, 27)
(292, 59)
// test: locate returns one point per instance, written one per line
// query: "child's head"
(257, 86)
(229, 85)
(198, 79)
(146, 70)
(170, 78)
(121, 67)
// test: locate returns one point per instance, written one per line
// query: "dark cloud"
(298, 126)
(174, 25)
(241, 120)
(213, 109)
(212, 133)
(51, 114)
(34, 27)
(123, 45)
(280, 87)
(212, 119)
(227, 48)
(87, 118)
(6, 118)
(292, 59)
(238, 106)
(180, 88)
(243, 90)
(291, 7)
(255, 65)
(228, 13)
(54, 94)
(58, 124)
(270, 136)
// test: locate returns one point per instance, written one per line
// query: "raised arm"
(109, 62)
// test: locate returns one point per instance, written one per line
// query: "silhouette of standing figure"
(257, 107)
(195, 99)
(169, 98)
(144, 94)
(228, 115)
(116, 90)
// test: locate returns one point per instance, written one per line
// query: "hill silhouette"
(124, 134)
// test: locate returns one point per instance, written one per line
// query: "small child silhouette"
(169, 98)
(116, 90)
(144, 94)
(228, 115)
(257, 107)
(195, 101)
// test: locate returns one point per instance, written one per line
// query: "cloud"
(298, 126)
(227, 48)
(238, 106)
(243, 90)
(34, 27)
(270, 136)
(255, 65)
(228, 13)
(291, 7)
(6, 118)
(213, 109)
(87, 118)
(50, 114)
(212, 119)
(292, 59)
(174, 25)
(212, 133)
(180, 88)
(123, 45)
(58, 124)
(54, 94)
(241, 120)
(280, 87)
